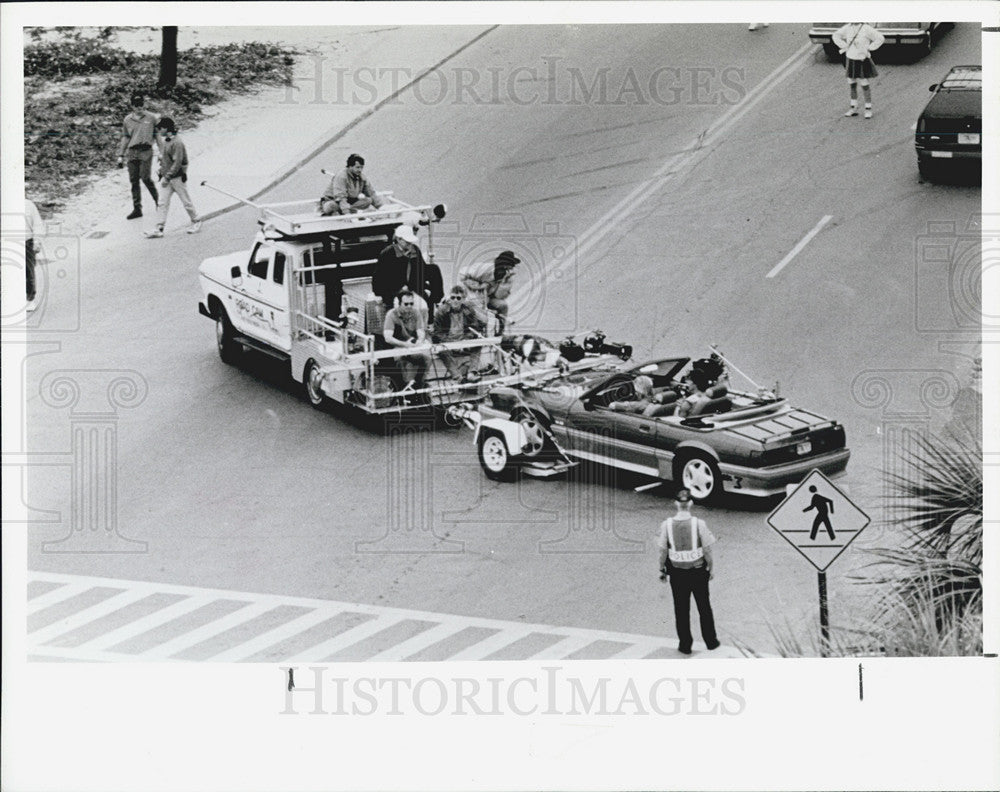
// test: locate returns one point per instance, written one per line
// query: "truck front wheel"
(229, 349)
(313, 383)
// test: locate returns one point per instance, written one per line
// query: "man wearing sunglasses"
(405, 328)
(455, 320)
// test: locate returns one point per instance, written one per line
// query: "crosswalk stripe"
(271, 637)
(56, 596)
(264, 626)
(494, 643)
(145, 624)
(85, 616)
(344, 640)
(413, 645)
(178, 644)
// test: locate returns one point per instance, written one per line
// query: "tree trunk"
(168, 59)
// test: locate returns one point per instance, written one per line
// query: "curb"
(335, 136)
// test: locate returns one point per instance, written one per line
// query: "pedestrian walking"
(34, 229)
(686, 557)
(857, 40)
(136, 147)
(173, 177)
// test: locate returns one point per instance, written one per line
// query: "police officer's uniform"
(685, 541)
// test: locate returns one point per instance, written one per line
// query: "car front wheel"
(495, 458)
(699, 475)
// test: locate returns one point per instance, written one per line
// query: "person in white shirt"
(857, 40)
(34, 228)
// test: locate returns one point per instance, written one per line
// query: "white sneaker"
(868, 112)
(31, 306)
(851, 111)
(156, 233)
(195, 227)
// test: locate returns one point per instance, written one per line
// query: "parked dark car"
(741, 442)
(949, 130)
(919, 37)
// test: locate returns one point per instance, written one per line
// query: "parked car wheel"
(833, 53)
(698, 473)
(926, 170)
(229, 349)
(495, 458)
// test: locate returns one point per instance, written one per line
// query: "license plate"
(941, 154)
(803, 448)
(969, 138)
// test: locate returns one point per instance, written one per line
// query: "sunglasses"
(456, 297)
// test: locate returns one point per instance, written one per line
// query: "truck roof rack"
(302, 218)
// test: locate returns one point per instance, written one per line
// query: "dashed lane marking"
(191, 623)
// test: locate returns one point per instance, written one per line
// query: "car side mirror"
(587, 404)
(236, 275)
(933, 87)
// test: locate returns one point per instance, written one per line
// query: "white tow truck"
(292, 294)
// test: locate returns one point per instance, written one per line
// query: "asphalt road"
(630, 223)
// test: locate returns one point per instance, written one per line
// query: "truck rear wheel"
(312, 383)
(229, 349)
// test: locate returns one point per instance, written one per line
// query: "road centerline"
(798, 248)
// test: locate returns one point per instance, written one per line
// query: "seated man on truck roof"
(349, 191)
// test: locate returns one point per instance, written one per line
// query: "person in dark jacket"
(402, 264)
(457, 321)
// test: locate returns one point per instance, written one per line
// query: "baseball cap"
(405, 233)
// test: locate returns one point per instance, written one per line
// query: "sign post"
(819, 521)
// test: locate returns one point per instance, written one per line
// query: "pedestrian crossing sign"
(818, 520)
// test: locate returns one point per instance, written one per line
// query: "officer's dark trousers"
(684, 583)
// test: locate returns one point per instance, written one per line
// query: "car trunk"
(790, 436)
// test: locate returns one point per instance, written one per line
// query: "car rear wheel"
(926, 170)
(832, 53)
(229, 349)
(699, 474)
(495, 458)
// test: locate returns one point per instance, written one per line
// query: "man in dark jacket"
(402, 264)
(457, 321)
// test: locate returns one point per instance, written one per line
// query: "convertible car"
(744, 442)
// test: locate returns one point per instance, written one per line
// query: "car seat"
(716, 401)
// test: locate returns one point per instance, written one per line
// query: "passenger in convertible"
(697, 383)
(647, 403)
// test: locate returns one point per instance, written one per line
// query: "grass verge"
(77, 89)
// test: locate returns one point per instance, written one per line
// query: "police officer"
(686, 556)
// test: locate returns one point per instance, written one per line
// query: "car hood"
(955, 104)
(218, 267)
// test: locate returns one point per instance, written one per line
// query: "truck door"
(267, 315)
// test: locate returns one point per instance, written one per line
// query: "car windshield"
(963, 79)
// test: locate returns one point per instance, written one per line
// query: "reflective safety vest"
(684, 546)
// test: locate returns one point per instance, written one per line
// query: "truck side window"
(258, 262)
(278, 270)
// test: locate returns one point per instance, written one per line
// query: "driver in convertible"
(646, 402)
